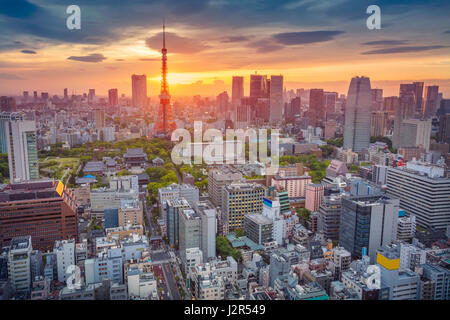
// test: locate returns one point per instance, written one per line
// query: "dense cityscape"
(93, 205)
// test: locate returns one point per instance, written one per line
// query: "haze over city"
(313, 44)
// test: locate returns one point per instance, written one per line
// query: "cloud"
(94, 57)
(29, 51)
(8, 76)
(385, 42)
(306, 37)
(232, 39)
(265, 46)
(448, 31)
(120, 59)
(403, 49)
(150, 59)
(175, 43)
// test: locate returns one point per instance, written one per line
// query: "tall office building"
(54, 214)
(237, 90)
(139, 90)
(424, 191)
(330, 217)
(22, 149)
(113, 97)
(5, 117)
(218, 179)
(222, 101)
(240, 199)
(190, 231)
(413, 133)
(173, 208)
(368, 222)
(357, 115)
(378, 123)
(276, 98)
(66, 96)
(91, 95)
(431, 101)
(391, 104)
(293, 110)
(316, 112)
(377, 100)
(330, 99)
(208, 216)
(411, 96)
(444, 128)
(258, 86)
(20, 264)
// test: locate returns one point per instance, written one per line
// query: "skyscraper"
(411, 98)
(276, 98)
(444, 128)
(113, 97)
(258, 86)
(378, 123)
(357, 115)
(165, 123)
(316, 110)
(431, 101)
(368, 222)
(66, 96)
(22, 149)
(237, 90)
(139, 90)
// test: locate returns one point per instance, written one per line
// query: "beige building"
(131, 212)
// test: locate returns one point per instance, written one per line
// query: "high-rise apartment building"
(313, 196)
(139, 90)
(43, 209)
(368, 222)
(424, 191)
(357, 115)
(377, 100)
(411, 99)
(21, 144)
(276, 98)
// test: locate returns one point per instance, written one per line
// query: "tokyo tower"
(164, 122)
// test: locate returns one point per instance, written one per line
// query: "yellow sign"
(60, 188)
(390, 264)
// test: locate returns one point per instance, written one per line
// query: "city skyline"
(311, 45)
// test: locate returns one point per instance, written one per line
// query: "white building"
(22, 150)
(193, 256)
(65, 257)
(19, 264)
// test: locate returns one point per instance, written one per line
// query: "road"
(171, 283)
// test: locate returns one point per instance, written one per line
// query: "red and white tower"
(165, 123)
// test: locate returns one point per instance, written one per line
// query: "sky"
(313, 43)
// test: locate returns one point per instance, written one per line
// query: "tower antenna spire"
(164, 33)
